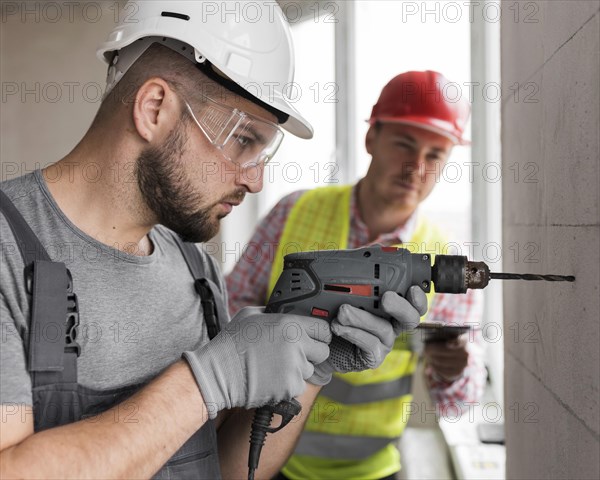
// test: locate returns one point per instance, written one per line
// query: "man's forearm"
(166, 413)
(234, 443)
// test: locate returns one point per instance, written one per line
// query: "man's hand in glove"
(259, 358)
(362, 340)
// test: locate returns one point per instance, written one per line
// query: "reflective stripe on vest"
(347, 447)
(343, 392)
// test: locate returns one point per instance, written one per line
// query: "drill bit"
(456, 274)
(531, 276)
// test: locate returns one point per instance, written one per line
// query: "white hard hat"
(249, 42)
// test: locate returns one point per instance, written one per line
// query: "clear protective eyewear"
(242, 138)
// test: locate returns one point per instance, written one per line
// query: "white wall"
(552, 366)
(51, 80)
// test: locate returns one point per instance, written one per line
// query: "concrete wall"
(551, 225)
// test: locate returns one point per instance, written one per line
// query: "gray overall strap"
(203, 286)
(51, 357)
(29, 245)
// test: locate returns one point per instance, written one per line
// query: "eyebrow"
(406, 136)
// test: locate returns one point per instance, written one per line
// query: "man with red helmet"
(358, 417)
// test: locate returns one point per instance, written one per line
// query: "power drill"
(317, 283)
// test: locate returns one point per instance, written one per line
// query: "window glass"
(394, 37)
(303, 164)
(298, 164)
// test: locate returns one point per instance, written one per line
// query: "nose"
(251, 178)
(422, 163)
(417, 163)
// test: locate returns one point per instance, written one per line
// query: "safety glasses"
(242, 138)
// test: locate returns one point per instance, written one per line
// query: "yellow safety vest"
(356, 420)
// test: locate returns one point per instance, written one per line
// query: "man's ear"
(370, 138)
(155, 109)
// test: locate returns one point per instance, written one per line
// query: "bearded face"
(193, 209)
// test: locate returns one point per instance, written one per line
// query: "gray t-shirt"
(137, 313)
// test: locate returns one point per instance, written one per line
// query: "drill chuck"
(455, 274)
(448, 274)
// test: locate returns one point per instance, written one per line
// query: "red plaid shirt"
(248, 283)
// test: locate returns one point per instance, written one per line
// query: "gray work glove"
(259, 358)
(362, 340)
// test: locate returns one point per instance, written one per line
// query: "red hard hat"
(427, 100)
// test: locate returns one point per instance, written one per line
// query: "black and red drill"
(317, 283)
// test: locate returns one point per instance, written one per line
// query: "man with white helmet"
(106, 365)
(357, 419)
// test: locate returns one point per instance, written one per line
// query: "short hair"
(157, 61)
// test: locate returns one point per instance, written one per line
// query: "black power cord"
(261, 426)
